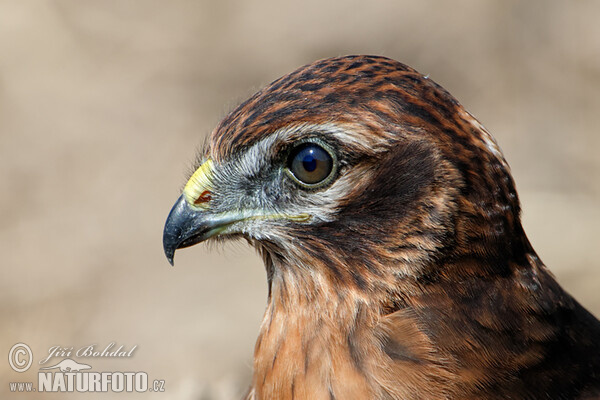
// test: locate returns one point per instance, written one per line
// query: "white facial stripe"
(323, 204)
(253, 159)
(347, 134)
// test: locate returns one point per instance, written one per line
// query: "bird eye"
(310, 164)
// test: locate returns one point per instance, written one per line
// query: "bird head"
(358, 167)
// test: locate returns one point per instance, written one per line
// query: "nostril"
(204, 197)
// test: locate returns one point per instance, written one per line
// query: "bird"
(389, 225)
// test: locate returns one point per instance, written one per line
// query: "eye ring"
(312, 164)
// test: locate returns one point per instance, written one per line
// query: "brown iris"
(310, 164)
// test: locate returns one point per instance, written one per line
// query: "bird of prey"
(389, 226)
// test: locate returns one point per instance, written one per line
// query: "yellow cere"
(199, 184)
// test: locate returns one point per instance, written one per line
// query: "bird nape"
(389, 225)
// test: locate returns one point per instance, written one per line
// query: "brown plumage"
(389, 225)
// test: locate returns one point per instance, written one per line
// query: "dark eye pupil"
(310, 163)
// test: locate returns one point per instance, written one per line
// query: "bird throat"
(308, 345)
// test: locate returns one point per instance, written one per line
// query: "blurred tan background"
(104, 103)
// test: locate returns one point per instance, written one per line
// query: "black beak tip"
(172, 234)
(169, 247)
(170, 255)
(184, 227)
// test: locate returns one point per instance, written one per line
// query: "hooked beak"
(187, 226)
(192, 219)
(184, 227)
